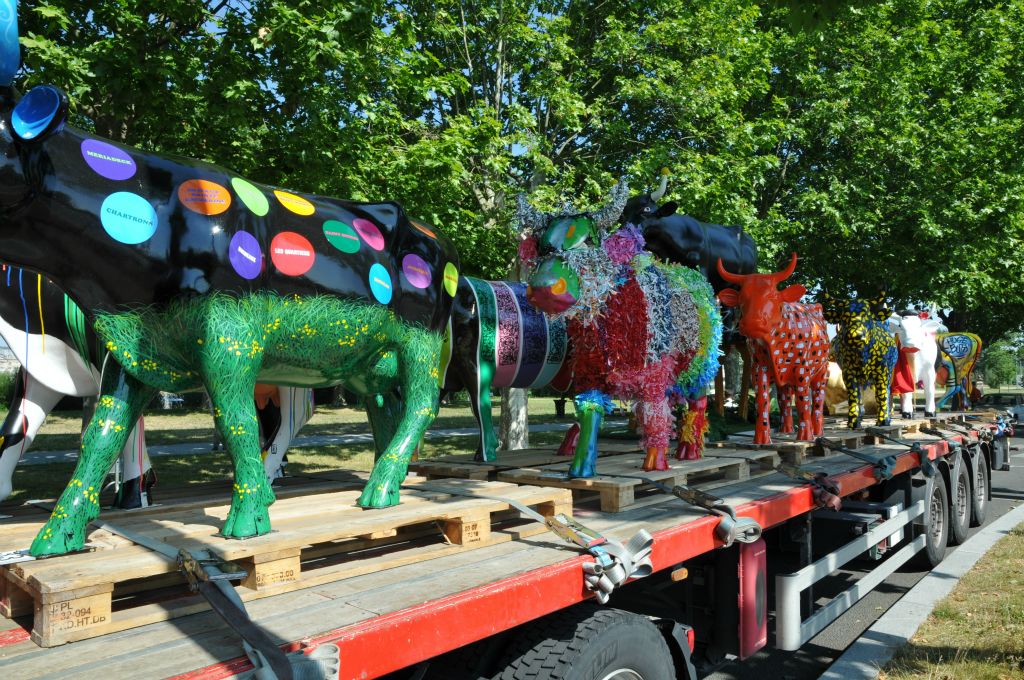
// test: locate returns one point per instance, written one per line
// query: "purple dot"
(245, 255)
(416, 270)
(108, 160)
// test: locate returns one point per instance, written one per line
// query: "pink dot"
(369, 233)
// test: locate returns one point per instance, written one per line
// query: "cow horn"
(10, 50)
(612, 210)
(660, 192)
(728, 276)
(530, 219)
(787, 272)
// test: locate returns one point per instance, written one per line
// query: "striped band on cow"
(518, 346)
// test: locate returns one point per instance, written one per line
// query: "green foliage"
(877, 138)
(7, 381)
(999, 365)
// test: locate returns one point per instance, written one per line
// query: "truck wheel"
(960, 506)
(936, 523)
(979, 499)
(588, 642)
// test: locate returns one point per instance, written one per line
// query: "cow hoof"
(885, 423)
(907, 415)
(929, 414)
(246, 522)
(59, 536)
(585, 471)
(382, 495)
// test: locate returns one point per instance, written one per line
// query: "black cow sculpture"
(685, 240)
(194, 277)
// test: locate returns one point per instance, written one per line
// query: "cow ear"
(729, 297)
(39, 114)
(793, 293)
(666, 209)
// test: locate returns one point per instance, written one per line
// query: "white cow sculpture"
(917, 331)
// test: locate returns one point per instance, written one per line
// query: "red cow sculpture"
(790, 347)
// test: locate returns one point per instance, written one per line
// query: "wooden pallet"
(619, 493)
(316, 540)
(464, 467)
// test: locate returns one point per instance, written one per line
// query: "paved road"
(816, 656)
(198, 448)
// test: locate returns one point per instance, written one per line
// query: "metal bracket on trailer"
(791, 631)
(884, 466)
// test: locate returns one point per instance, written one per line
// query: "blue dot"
(380, 283)
(128, 217)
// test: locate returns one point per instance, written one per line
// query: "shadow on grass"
(943, 661)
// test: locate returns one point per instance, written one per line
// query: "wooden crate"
(619, 493)
(464, 467)
(316, 540)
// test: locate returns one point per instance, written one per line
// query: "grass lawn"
(976, 632)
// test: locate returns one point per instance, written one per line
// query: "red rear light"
(691, 638)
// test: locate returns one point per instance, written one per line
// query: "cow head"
(644, 207)
(759, 299)
(915, 329)
(856, 317)
(554, 283)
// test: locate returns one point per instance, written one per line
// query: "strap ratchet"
(927, 464)
(730, 527)
(883, 467)
(825, 489)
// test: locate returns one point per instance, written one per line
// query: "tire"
(936, 523)
(979, 499)
(588, 642)
(961, 493)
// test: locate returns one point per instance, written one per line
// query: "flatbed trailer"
(485, 602)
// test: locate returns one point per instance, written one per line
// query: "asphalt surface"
(816, 656)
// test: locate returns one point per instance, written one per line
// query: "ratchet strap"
(927, 464)
(614, 563)
(824, 488)
(883, 466)
(211, 577)
(730, 528)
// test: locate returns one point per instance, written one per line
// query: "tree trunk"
(514, 431)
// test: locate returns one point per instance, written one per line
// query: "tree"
(999, 366)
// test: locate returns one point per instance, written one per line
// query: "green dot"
(341, 236)
(252, 197)
(451, 278)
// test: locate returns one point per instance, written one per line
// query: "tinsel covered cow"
(194, 277)
(499, 339)
(59, 356)
(688, 241)
(638, 326)
(790, 345)
(917, 330)
(865, 350)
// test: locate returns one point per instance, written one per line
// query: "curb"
(864, 659)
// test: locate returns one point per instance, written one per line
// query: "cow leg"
(803, 407)
(691, 434)
(480, 403)
(584, 462)
(137, 477)
(818, 406)
(296, 410)
(418, 357)
(853, 418)
(383, 411)
(569, 441)
(883, 384)
(120, 404)
(762, 428)
(31, 403)
(927, 377)
(785, 401)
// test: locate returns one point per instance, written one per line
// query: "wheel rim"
(935, 524)
(623, 674)
(962, 496)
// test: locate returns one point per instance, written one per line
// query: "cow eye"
(647, 209)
